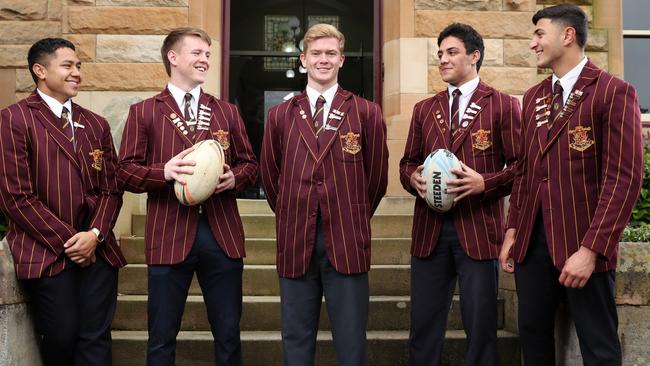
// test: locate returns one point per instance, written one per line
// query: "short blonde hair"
(322, 30)
(175, 37)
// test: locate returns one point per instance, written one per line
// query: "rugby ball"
(436, 172)
(209, 159)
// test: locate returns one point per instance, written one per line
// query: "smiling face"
(456, 67)
(189, 62)
(548, 43)
(322, 59)
(59, 75)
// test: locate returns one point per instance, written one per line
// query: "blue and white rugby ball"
(437, 170)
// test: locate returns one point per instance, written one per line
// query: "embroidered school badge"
(579, 138)
(351, 143)
(98, 159)
(222, 138)
(481, 139)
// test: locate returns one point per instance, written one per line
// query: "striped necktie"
(454, 120)
(65, 123)
(558, 101)
(320, 111)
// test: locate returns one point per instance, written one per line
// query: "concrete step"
(387, 205)
(385, 348)
(262, 280)
(262, 251)
(263, 313)
(397, 225)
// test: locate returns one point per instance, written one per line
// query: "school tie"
(557, 103)
(187, 115)
(455, 120)
(65, 123)
(320, 112)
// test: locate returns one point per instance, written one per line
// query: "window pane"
(635, 14)
(637, 51)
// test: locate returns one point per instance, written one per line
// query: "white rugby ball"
(436, 172)
(209, 159)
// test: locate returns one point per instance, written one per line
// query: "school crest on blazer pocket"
(222, 138)
(351, 143)
(98, 159)
(579, 138)
(481, 139)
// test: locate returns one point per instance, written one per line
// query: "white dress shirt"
(57, 108)
(329, 94)
(569, 80)
(467, 90)
(179, 97)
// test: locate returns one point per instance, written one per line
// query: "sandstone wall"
(410, 48)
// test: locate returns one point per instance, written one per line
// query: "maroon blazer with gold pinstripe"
(486, 144)
(345, 179)
(50, 190)
(584, 172)
(150, 139)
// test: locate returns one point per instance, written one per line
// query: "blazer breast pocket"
(350, 147)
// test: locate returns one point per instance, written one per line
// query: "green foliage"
(639, 233)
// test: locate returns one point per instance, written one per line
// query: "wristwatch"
(98, 234)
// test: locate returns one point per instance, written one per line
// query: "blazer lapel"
(52, 125)
(206, 116)
(579, 93)
(477, 102)
(338, 113)
(168, 109)
(441, 117)
(301, 117)
(542, 113)
(81, 132)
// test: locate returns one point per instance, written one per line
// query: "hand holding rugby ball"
(209, 159)
(436, 172)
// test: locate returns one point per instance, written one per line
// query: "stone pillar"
(18, 343)
(632, 304)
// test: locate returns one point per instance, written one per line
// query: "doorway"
(262, 44)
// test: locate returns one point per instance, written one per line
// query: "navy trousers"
(592, 308)
(432, 288)
(220, 279)
(346, 298)
(73, 312)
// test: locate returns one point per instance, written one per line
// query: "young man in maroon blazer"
(324, 169)
(480, 126)
(579, 178)
(60, 196)
(205, 239)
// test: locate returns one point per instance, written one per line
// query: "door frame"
(377, 67)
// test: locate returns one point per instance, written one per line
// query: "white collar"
(329, 94)
(465, 89)
(179, 94)
(55, 106)
(569, 79)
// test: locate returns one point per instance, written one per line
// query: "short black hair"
(43, 48)
(569, 15)
(470, 37)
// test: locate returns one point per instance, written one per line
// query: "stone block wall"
(118, 42)
(411, 63)
(18, 341)
(632, 304)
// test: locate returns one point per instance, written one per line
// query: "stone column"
(18, 343)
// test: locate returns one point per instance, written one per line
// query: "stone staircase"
(388, 321)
